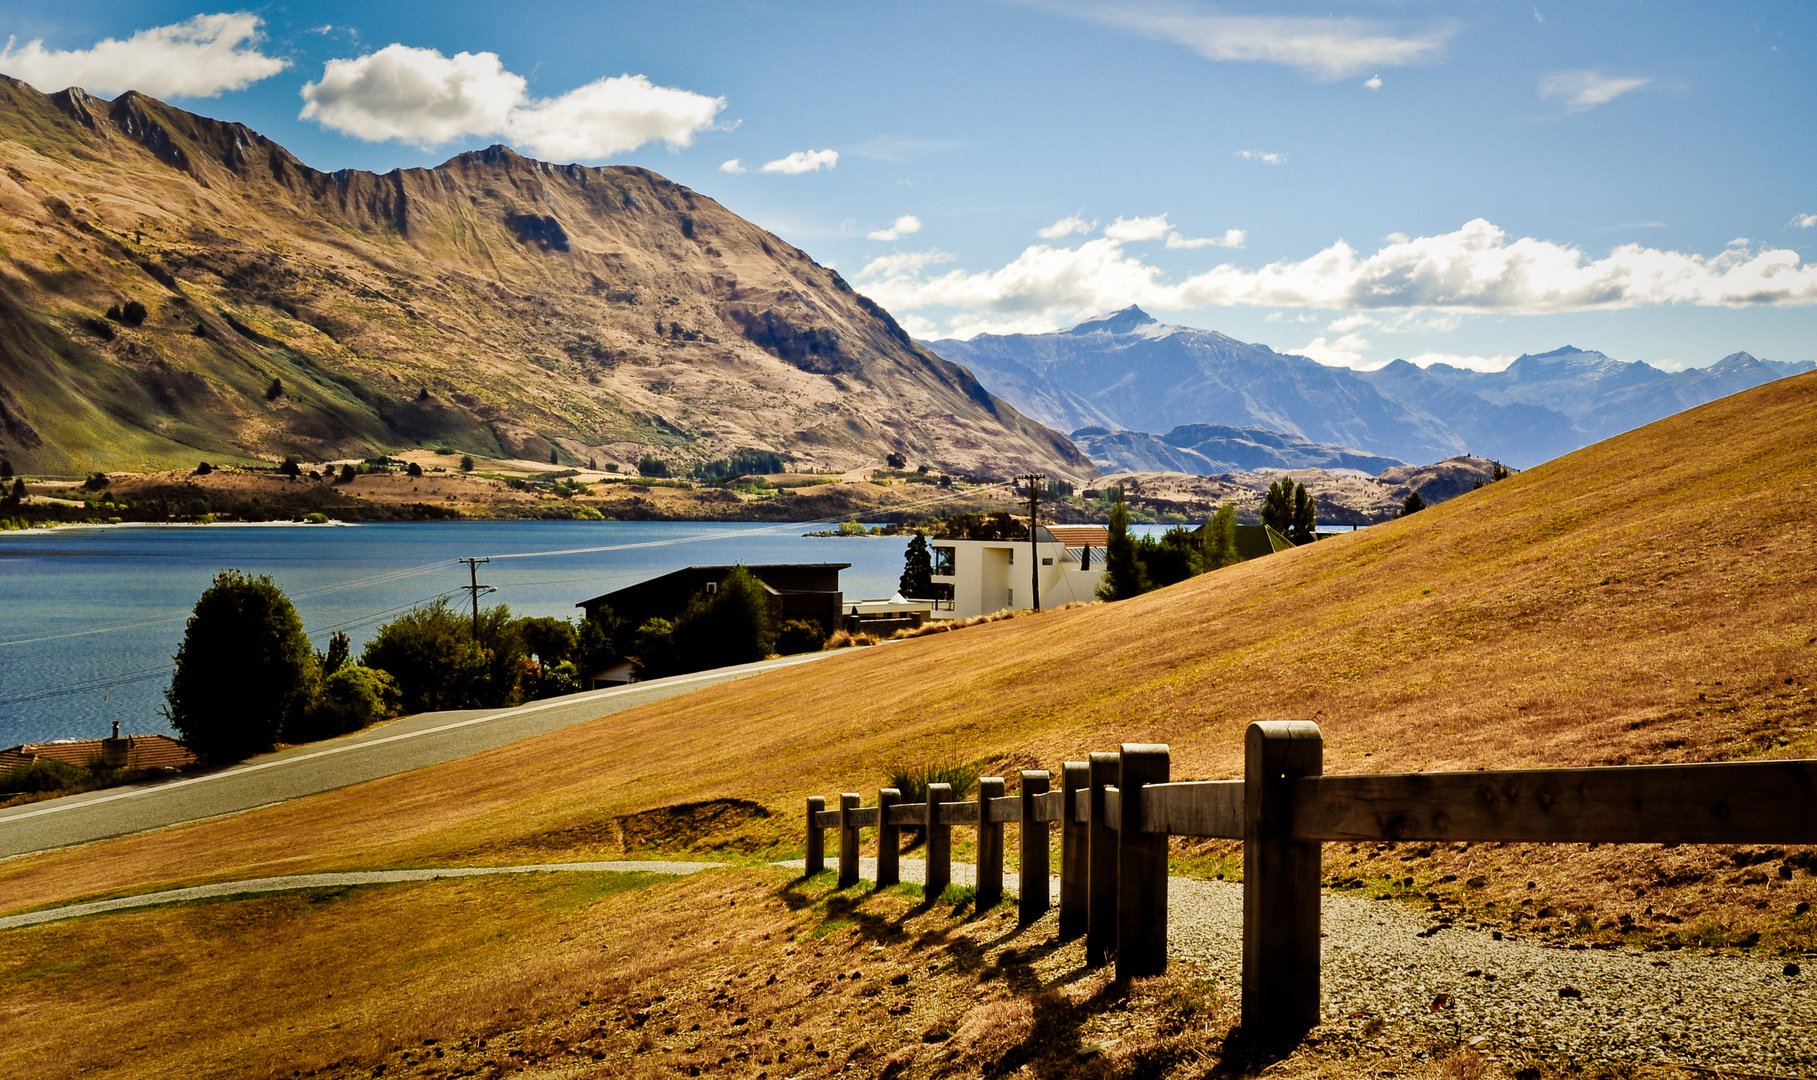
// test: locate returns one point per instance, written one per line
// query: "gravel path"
(1380, 960)
(329, 881)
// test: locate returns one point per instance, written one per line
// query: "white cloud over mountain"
(1328, 48)
(1583, 90)
(1475, 269)
(905, 225)
(198, 58)
(421, 97)
(803, 161)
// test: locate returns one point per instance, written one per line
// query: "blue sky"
(1379, 180)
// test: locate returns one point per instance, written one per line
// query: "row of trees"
(247, 678)
(1134, 565)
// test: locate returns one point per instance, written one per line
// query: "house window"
(943, 562)
(943, 596)
(1047, 562)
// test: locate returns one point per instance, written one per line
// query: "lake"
(90, 617)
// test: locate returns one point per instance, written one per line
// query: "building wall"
(991, 575)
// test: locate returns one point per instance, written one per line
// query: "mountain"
(1207, 449)
(1127, 372)
(494, 304)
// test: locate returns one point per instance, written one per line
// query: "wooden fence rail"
(1113, 880)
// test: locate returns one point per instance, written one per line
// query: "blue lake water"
(89, 618)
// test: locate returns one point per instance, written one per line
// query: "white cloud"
(1476, 268)
(1264, 158)
(1066, 226)
(803, 161)
(1232, 238)
(1352, 322)
(612, 116)
(904, 226)
(1473, 363)
(1327, 48)
(1142, 228)
(1374, 82)
(1581, 90)
(420, 96)
(1803, 221)
(1347, 351)
(731, 166)
(198, 58)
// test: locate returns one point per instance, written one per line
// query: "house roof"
(1079, 535)
(758, 570)
(148, 752)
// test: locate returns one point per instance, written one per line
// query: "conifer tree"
(1220, 539)
(1305, 517)
(1412, 504)
(1123, 574)
(918, 572)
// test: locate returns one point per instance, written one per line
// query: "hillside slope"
(1648, 599)
(500, 305)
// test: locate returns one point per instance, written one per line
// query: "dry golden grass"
(1646, 599)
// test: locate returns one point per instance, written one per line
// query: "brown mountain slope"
(1652, 598)
(494, 303)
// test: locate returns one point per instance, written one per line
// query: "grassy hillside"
(1647, 599)
(496, 304)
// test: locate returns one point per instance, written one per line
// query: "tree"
(289, 467)
(275, 390)
(6, 469)
(1173, 558)
(415, 471)
(340, 649)
(1500, 472)
(348, 472)
(244, 669)
(554, 456)
(597, 643)
(466, 463)
(650, 465)
(439, 663)
(1123, 575)
(730, 625)
(1219, 543)
(204, 468)
(1412, 504)
(917, 582)
(1305, 517)
(895, 460)
(18, 493)
(653, 649)
(551, 641)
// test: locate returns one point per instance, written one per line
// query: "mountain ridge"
(493, 303)
(1128, 372)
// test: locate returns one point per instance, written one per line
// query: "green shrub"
(730, 625)
(431, 653)
(243, 671)
(352, 698)
(40, 775)
(653, 649)
(799, 636)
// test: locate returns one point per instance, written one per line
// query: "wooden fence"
(1116, 812)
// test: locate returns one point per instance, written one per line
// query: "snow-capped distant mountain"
(1127, 372)
(1211, 449)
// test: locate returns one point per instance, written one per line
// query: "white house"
(978, 577)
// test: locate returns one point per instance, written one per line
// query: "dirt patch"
(689, 825)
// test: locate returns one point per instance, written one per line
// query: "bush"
(289, 467)
(352, 698)
(799, 636)
(431, 653)
(348, 472)
(244, 669)
(415, 470)
(466, 463)
(204, 469)
(41, 775)
(653, 649)
(730, 625)
(563, 678)
(275, 390)
(96, 482)
(132, 313)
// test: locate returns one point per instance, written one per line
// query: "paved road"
(411, 743)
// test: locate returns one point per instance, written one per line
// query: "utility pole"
(475, 588)
(1034, 520)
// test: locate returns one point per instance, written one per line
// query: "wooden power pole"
(475, 588)
(1034, 520)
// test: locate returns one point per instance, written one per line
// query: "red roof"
(148, 752)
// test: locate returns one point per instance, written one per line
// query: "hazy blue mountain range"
(1128, 372)
(1210, 449)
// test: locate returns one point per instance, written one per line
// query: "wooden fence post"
(849, 839)
(990, 847)
(1101, 909)
(939, 844)
(1075, 868)
(816, 860)
(889, 839)
(1280, 884)
(1141, 867)
(1031, 867)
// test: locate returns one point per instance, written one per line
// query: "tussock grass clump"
(912, 780)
